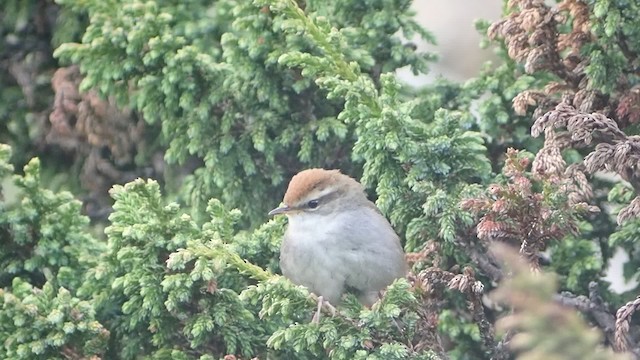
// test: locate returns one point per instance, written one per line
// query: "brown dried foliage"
(623, 322)
(570, 112)
(430, 286)
(566, 127)
(530, 36)
(96, 132)
(428, 254)
(517, 214)
(628, 110)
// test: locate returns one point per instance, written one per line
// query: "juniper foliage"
(48, 323)
(251, 92)
(252, 121)
(44, 236)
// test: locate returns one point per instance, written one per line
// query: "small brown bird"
(337, 240)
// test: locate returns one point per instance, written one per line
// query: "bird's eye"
(313, 204)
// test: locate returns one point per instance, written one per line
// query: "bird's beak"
(281, 210)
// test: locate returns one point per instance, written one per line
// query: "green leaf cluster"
(253, 92)
(209, 73)
(48, 324)
(45, 248)
(44, 237)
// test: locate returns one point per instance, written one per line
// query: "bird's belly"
(317, 254)
(310, 264)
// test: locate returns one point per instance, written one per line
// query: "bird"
(337, 240)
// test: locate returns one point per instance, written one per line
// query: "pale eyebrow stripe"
(321, 196)
(325, 192)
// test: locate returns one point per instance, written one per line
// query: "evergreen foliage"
(251, 120)
(249, 93)
(44, 237)
(48, 324)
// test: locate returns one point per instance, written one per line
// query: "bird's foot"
(323, 304)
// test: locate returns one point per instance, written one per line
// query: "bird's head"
(321, 192)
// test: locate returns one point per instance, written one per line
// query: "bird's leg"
(317, 315)
(327, 305)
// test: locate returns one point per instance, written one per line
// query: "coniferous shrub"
(489, 183)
